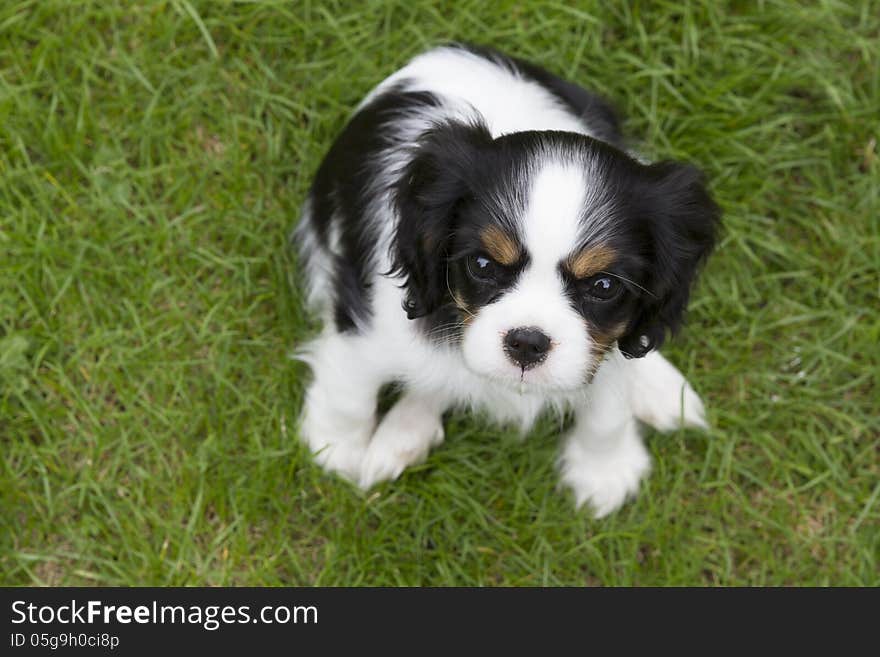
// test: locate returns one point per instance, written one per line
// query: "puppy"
(479, 236)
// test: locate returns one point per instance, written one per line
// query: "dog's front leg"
(661, 396)
(603, 459)
(404, 437)
(339, 411)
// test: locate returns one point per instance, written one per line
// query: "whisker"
(445, 328)
(631, 282)
(455, 298)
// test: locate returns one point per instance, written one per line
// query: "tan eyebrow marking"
(590, 260)
(500, 246)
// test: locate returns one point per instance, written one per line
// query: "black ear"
(682, 224)
(430, 188)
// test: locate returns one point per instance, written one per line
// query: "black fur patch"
(460, 181)
(677, 223)
(345, 184)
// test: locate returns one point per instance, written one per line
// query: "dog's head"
(537, 251)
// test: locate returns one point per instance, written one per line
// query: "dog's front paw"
(337, 446)
(604, 480)
(663, 398)
(404, 438)
(343, 457)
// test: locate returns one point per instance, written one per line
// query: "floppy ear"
(426, 196)
(682, 224)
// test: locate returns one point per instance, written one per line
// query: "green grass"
(152, 160)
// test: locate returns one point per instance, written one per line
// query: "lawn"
(153, 157)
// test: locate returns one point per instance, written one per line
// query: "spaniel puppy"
(479, 235)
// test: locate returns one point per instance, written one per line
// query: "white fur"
(339, 411)
(603, 472)
(551, 227)
(404, 437)
(662, 397)
(603, 460)
(466, 81)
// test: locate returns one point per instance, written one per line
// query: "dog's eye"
(603, 287)
(481, 267)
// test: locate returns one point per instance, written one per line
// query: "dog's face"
(536, 252)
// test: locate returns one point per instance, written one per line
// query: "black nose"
(526, 346)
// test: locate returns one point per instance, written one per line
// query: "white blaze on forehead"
(550, 228)
(552, 220)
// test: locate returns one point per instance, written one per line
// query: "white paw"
(604, 479)
(337, 446)
(345, 458)
(404, 438)
(662, 397)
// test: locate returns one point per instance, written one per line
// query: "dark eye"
(603, 287)
(481, 267)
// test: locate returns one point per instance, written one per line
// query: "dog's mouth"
(527, 381)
